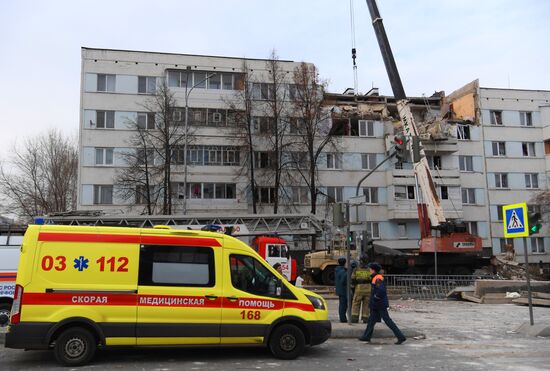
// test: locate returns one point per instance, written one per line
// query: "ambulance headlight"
(316, 302)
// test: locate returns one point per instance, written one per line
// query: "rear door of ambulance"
(250, 302)
(179, 288)
(85, 272)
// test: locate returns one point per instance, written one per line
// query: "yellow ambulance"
(81, 287)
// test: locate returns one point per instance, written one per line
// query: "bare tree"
(276, 108)
(149, 169)
(41, 176)
(241, 107)
(138, 180)
(314, 126)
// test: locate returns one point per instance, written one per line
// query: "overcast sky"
(438, 45)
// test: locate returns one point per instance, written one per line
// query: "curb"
(353, 331)
(535, 330)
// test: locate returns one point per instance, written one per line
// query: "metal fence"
(426, 287)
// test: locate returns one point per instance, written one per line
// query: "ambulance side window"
(176, 266)
(249, 275)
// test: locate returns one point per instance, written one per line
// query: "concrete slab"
(542, 330)
(535, 301)
(381, 331)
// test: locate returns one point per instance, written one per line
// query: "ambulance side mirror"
(279, 288)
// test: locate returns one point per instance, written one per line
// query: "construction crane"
(453, 237)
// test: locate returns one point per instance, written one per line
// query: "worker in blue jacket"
(341, 283)
(378, 305)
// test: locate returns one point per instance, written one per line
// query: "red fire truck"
(275, 250)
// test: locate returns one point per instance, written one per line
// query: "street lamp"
(186, 139)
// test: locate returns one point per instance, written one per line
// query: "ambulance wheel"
(75, 347)
(287, 342)
(5, 311)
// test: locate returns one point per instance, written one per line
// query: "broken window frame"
(496, 117)
(463, 132)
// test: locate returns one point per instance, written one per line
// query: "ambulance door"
(179, 295)
(251, 301)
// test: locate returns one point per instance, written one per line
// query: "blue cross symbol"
(81, 263)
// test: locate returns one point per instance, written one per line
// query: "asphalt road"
(334, 354)
(459, 336)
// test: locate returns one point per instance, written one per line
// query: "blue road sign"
(515, 220)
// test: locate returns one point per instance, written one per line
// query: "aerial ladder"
(453, 239)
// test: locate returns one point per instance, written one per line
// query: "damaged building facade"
(489, 150)
(486, 148)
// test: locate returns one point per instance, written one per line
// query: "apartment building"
(491, 150)
(117, 87)
(503, 158)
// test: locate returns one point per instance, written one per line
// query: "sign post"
(516, 224)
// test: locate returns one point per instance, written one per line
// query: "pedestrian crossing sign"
(515, 220)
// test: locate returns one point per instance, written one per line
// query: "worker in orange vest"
(379, 304)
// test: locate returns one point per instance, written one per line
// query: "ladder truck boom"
(421, 168)
(453, 238)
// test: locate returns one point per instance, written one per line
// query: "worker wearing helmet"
(341, 282)
(361, 287)
(379, 306)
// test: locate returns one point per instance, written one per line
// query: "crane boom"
(421, 168)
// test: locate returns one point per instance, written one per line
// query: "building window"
(189, 266)
(207, 155)
(463, 132)
(371, 195)
(501, 180)
(499, 148)
(147, 85)
(472, 228)
(228, 81)
(366, 128)
(141, 194)
(104, 156)
(434, 162)
(215, 82)
(199, 79)
(528, 149)
(264, 125)
(496, 117)
(402, 230)
(145, 156)
(334, 161)
(444, 192)
(103, 194)
(525, 119)
(404, 192)
(216, 117)
(262, 91)
(468, 196)
(537, 245)
(300, 195)
(263, 160)
(146, 121)
(335, 194)
(106, 83)
(265, 195)
(505, 241)
(368, 161)
(105, 119)
(373, 229)
(211, 191)
(531, 180)
(466, 163)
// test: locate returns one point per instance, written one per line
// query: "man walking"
(341, 282)
(379, 306)
(361, 287)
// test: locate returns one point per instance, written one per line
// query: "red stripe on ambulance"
(128, 238)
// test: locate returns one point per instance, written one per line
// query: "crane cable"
(353, 49)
